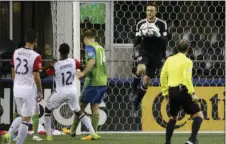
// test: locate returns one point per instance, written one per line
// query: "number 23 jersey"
(25, 61)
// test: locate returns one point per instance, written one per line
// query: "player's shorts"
(93, 94)
(153, 63)
(36, 109)
(58, 98)
(179, 97)
(25, 106)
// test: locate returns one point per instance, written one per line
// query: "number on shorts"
(69, 76)
(25, 66)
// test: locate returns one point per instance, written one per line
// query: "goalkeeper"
(177, 87)
(95, 84)
(150, 46)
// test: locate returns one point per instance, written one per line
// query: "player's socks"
(85, 120)
(136, 81)
(169, 130)
(35, 120)
(140, 94)
(74, 126)
(95, 121)
(22, 133)
(197, 121)
(48, 124)
(14, 126)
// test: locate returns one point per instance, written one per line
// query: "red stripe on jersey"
(77, 64)
(12, 61)
(37, 64)
(50, 72)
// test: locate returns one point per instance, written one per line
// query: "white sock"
(48, 124)
(14, 126)
(22, 133)
(85, 120)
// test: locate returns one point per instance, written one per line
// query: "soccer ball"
(147, 30)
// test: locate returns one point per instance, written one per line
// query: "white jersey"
(64, 75)
(25, 61)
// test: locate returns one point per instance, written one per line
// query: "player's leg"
(95, 115)
(193, 108)
(140, 63)
(53, 102)
(73, 103)
(35, 121)
(76, 120)
(26, 112)
(16, 122)
(174, 102)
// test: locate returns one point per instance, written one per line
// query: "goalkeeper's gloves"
(156, 30)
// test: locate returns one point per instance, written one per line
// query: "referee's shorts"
(179, 97)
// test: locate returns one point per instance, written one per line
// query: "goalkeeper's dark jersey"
(153, 44)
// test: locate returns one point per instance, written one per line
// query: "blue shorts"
(93, 94)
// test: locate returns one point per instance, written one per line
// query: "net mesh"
(202, 23)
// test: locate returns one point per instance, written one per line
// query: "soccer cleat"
(6, 138)
(66, 131)
(190, 141)
(91, 137)
(49, 138)
(36, 138)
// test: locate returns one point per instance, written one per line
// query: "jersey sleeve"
(164, 79)
(138, 35)
(37, 64)
(90, 52)
(188, 77)
(77, 64)
(50, 72)
(12, 61)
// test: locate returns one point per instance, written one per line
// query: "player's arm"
(36, 68)
(188, 77)
(91, 55)
(164, 79)
(12, 68)
(137, 40)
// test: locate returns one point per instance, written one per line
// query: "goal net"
(202, 23)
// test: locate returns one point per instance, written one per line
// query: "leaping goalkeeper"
(149, 50)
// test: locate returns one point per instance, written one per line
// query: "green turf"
(132, 139)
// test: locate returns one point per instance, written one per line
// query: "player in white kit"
(64, 72)
(26, 65)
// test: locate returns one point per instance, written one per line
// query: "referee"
(149, 52)
(177, 87)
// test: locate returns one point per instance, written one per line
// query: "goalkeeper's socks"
(139, 96)
(48, 124)
(195, 127)
(15, 126)
(169, 130)
(136, 81)
(35, 121)
(85, 120)
(95, 121)
(22, 133)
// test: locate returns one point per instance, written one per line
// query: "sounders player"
(95, 84)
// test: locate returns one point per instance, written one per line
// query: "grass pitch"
(131, 139)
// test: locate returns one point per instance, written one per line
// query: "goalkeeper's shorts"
(93, 94)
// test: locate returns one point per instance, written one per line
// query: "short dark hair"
(151, 4)
(31, 36)
(64, 48)
(183, 46)
(88, 34)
